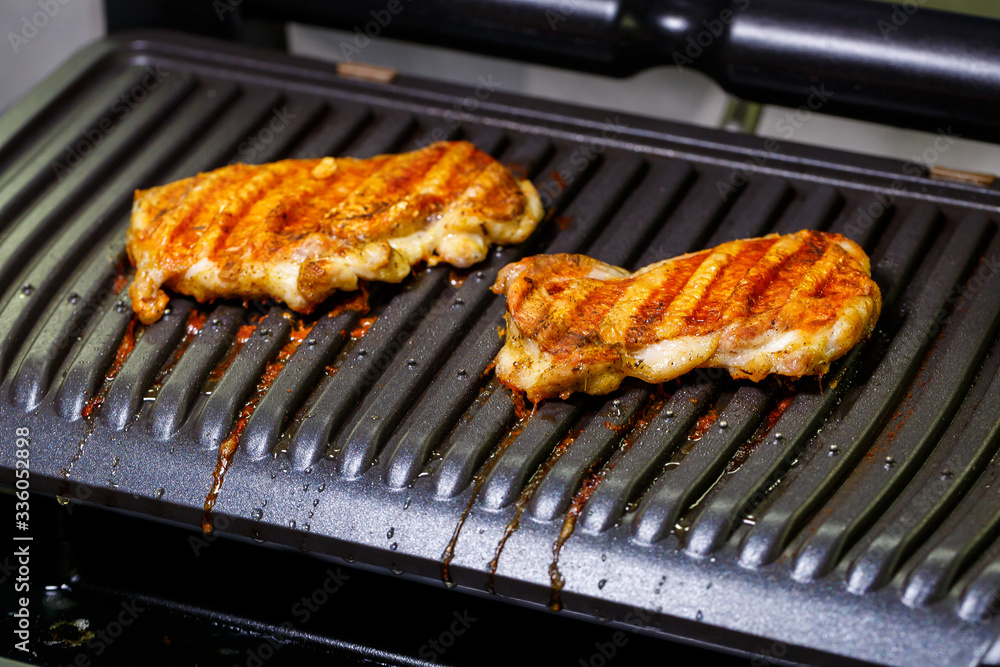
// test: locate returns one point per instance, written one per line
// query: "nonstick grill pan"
(854, 517)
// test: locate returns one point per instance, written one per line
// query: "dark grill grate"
(733, 514)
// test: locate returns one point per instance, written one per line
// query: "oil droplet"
(395, 569)
(257, 514)
(27, 289)
(321, 487)
(120, 307)
(889, 462)
(388, 535)
(349, 558)
(834, 450)
(600, 584)
(393, 546)
(604, 557)
(306, 527)
(291, 523)
(406, 505)
(159, 493)
(73, 297)
(315, 502)
(699, 616)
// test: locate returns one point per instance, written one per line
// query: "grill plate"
(867, 530)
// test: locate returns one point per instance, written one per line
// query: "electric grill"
(852, 518)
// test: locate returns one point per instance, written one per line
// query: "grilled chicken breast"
(298, 230)
(779, 304)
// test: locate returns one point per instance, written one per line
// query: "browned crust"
(748, 289)
(245, 212)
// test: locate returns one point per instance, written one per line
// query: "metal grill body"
(856, 517)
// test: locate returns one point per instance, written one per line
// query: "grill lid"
(854, 517)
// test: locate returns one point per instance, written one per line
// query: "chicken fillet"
(299, 230)
(778, 304)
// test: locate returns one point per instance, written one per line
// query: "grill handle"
(898, 64)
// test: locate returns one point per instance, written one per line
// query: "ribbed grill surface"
(383, 436)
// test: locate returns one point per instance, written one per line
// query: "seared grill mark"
(717, 301)
(668, 284)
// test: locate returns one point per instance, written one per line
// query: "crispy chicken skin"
(778, 304)
(298, 230)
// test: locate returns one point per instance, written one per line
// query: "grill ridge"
(947, 476)
(183, 386)
(775, 523)
(947, 379)
(29, 229)
(724, 511)
(32, 173)
(869, 411)
(36, 369)
(635, 468)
